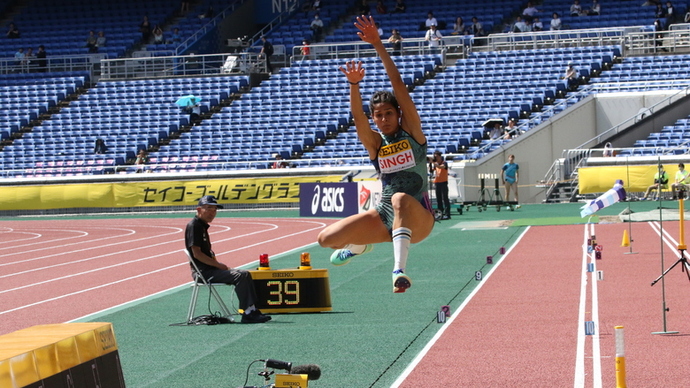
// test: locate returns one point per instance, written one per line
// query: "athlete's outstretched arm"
(370, 139)
(410, 117)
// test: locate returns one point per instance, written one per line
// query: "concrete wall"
(645, 123)
(536, 150)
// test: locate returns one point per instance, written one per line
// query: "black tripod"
(682, 259)
(681, 244)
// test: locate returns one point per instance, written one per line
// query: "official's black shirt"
(197, 234)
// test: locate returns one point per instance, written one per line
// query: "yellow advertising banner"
(635, 178)
(159, 193)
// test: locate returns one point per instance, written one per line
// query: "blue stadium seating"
(303, 109)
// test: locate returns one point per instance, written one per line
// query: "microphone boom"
(312, 371)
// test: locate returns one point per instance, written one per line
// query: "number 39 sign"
(292, 291)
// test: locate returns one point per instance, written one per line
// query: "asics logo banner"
(328, 199)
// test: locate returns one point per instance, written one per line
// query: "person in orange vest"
(441, 183)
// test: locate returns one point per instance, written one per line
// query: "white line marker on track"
(580, 373)
(449, 322)
(596, 343)
(579, 378)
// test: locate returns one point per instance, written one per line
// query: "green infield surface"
(369, 337)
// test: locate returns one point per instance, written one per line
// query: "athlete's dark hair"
(382, 96)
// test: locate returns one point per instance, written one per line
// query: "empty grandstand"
(125, 94)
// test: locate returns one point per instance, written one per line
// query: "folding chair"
(200, 281)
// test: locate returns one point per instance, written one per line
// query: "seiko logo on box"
(283, 274)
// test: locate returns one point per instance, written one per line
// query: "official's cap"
(209, 200)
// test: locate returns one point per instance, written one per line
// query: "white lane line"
(99, 248)
(13, 251)
(33, 236)
(449, 322)
(669, 240)
(319, 225)
(596, 338)
(579, 380)
(87, 289)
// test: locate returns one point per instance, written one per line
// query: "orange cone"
(626, 239)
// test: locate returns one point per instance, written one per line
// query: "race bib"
(396, 157)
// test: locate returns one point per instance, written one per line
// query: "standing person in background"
(496, 132)
(13, 32)
(595, 9)
(29, 57)
(158, 35)
(430, 20)
(537, 25)
(195, 116)
(100, 147)
(570, 76)
(266, 52)
(398, 151)
(396, 40)
(556, 23)
(659, 11)
(530, 12)
(280, 163)
(575, 8)
(433, 36)
(176, 37)
(400, 7)
(381, 8)
(670, 14)
(459, 27)
(41, 58)
(441, 183)
(142, 159)
(511, 130)
(476, 28)
(19, 56)
(364, 8)
(305, 50)
(91, 42)
(145, 29)
(510, 177)
(658, 28)
(608, 150)
(101, 40)
(316, 27)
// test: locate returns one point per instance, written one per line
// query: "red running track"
(522, 328)
(57, 271)
(525, 326)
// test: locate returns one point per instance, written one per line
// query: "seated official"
(660, 182)
(198, 244)
(682, 183)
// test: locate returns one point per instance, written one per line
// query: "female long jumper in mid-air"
(398, 150)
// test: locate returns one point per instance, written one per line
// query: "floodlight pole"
(680, 260)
